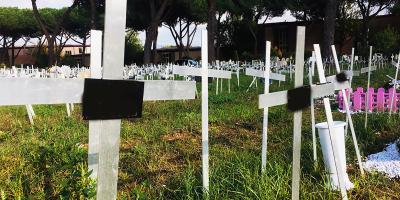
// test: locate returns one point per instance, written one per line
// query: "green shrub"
(386, 41)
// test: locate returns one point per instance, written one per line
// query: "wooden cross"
(105, 134)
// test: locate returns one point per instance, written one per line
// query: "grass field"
(160, 153)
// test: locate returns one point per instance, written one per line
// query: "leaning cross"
(329, 117)
(343, 86)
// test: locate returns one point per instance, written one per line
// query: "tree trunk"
(83, 54)
(211, 27)
(365, 36)
(154, 51)
(147, 47)
(329, 27)
(50, 51)
(51, 34)
(253, 32)
(93, 14)
(12, 51)
(5, 51)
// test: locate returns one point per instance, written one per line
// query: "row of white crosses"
(36, 73)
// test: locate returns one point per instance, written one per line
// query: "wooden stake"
(329, 118)
(369, 78)
(265, 112)
(297, 121)
(113, 57)
(394, 86)
(348, 114)
(204, 110)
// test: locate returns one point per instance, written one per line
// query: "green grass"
(160, 154)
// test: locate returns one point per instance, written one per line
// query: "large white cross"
(106, 133)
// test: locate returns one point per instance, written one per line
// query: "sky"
(164, 36)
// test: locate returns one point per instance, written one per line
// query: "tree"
(347, 23)
(51, 28)
(368, 10)
(79, 23)
(183, 21)
(15, 24)
(133, 48)
(252, 11)
(306, 10)
(148, 15)
(328, 35)
(386, 41)
(211, 28)
(395, 10)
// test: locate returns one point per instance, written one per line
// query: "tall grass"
(160, 153)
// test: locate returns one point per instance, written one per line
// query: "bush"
(68, 60)
(42, 58)
(386, 41)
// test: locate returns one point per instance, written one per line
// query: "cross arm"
(280, 98)
(192, 71)
(22, 91)
(339, 85)
(260, 73)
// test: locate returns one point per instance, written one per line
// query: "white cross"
(23, 91)
(204, 72)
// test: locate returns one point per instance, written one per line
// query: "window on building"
(68, 52)
(80, 50)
